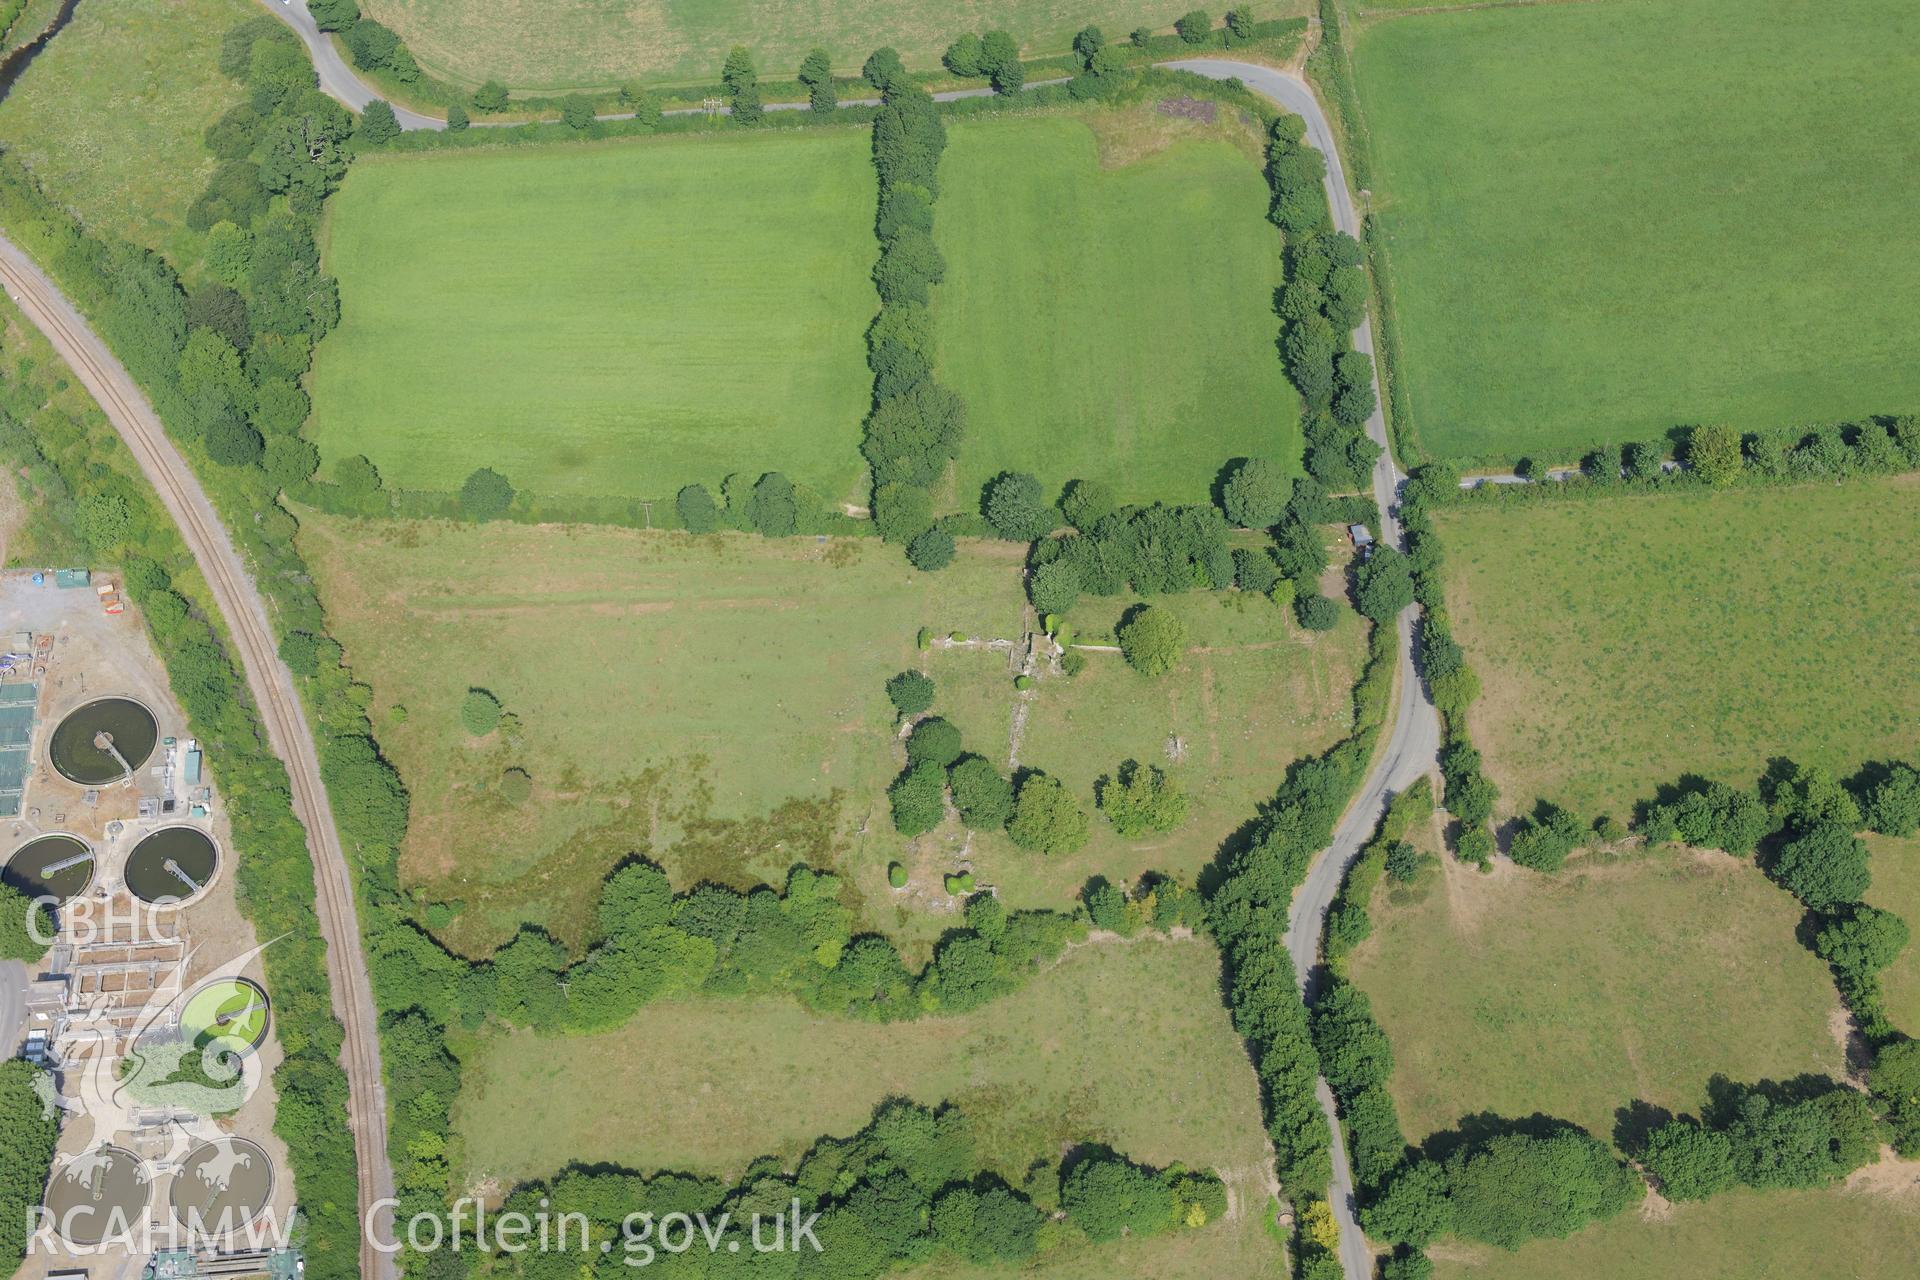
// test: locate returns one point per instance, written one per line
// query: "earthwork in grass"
(720, 702)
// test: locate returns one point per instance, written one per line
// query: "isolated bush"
(479, 712)
(983, 797)
(696, 509)
(910, 692)
(896, 875)
(934, 740)
(516, 786)
(1153, 640)
(1045, 817)
(486, 495)
(1316, 612)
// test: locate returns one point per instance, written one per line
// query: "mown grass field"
(570, 44)
(1108, 307)
(1578, 994)
(1625, 642)
(721, 702)
(1125, 1044)
(110, 115)
(622, 318)
(1896, 887)
(1869, 1233)
(1598, 233)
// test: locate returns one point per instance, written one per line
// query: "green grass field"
(1598, 233)
(1867, 1234)
(1119, 1043)
(571, 44)
(721, 701)
(1578, 994)
(110, 115)
(1110, 322)
(1896, 887)
(615, 319)
(1624, 642)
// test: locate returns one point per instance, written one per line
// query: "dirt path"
(271, 684)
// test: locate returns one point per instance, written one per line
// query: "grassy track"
(1598, 233)
(569, 44)
(1867, 1234)
(1113, 323)
(110, 115)
(1577, 994)
(721, 701)
(1626, 642)
(614, 319)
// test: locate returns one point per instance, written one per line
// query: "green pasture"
(1868, 1233)
(1578, 994)
(1626, 642)
(621, 319)
(1108, 307)
(1608, 219)
(1896, 887)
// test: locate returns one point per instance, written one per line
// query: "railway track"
(245, 612)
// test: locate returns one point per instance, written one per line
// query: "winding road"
(1409, 751)
(245, 613)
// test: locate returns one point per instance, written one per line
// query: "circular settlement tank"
(222, 1186)
(88, 746)
(232, 1011)
(171, 865)
(98, 1195)
(59, 866)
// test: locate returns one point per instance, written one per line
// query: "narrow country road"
(273, 692)
(1412, 746)
(1413, 734)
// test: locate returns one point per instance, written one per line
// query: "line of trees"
(910, 1187)
(28, 1133)
(1322, 302)
(1718, 456)
(916, 425)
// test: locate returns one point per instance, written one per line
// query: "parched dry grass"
(1579, 993)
